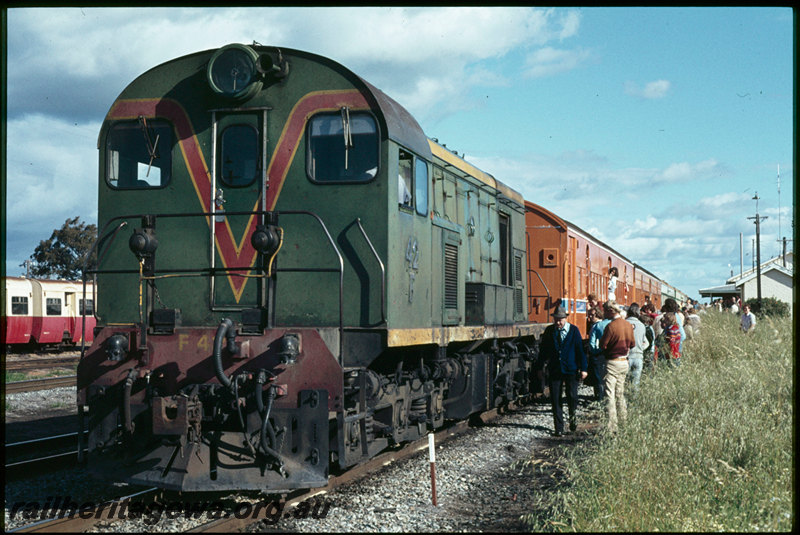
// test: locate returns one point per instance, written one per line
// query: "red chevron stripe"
(286, 147)
(231, 253)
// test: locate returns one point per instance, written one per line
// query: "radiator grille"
(451, 276)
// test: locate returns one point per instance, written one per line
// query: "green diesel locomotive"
(292, 276)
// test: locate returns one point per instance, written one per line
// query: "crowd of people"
(622, 343)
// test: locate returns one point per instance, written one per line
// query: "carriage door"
(572, 291)
(70, 311)
(238, 182)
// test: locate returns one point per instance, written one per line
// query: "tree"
(769, 307)
(63, 255)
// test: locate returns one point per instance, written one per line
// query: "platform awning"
(720, 291)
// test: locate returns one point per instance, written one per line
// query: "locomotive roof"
(452, 159)
(400, 124)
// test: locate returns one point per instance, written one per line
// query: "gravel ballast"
(477, 487)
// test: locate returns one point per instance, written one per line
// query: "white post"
(432, 455)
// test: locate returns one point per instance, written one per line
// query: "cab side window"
(412, 182)
(139, 154)
(405, 179)
(421, 187)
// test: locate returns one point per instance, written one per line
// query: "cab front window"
(139, 154)
(342, 147)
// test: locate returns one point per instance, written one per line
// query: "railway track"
(83, 521)
(31, 457)
(41, 363)
(31, 385)
(231, 523)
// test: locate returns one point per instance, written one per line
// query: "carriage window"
(239, 161)
(53, 306)
(139, 154)
(19, 305)
(89, 307)
(342, 147)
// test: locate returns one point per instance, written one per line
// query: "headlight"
(233, 72)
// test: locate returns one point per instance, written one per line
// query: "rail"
(233, 523)
(85, 520)
(31, 457)
(32, 385)
(41, 364)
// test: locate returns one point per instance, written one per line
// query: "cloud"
(651, 90)
(48, 178)
(643, 213)
(425, 57)
(686, 172)
(549, 61)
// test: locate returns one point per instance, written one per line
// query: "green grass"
(707, 447)
(12, 376)
(58, 372)
(15, 376)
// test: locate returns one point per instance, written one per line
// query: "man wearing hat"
(562, 350)
(617, 341)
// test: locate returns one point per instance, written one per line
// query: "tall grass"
(707, 446)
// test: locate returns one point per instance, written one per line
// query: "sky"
(650, 128)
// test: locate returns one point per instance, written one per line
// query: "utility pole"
(779, 204)
(27, 265)
(758, 248)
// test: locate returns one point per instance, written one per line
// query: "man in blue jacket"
(562, 351)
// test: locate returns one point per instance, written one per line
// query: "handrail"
(383, 270)
(94, 286)
(341, 270)
(543, 284)
(530, 295)
(214, 270)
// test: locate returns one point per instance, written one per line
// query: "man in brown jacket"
(616, 342)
